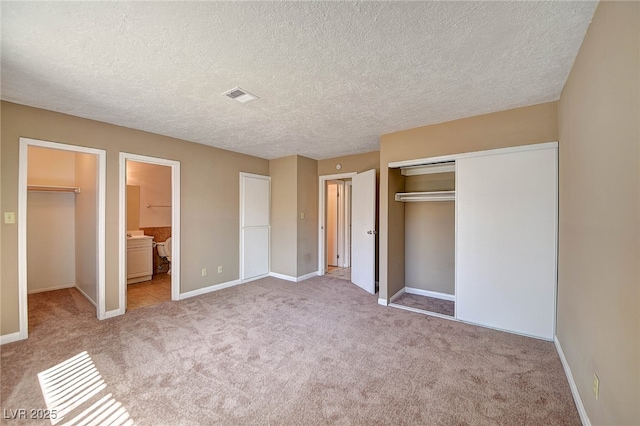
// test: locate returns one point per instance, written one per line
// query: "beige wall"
(155, 190)
(87, 224)
(209, 197)
(51, 243)
(284, 204)
(598, 323)
(430, 235)
(294, 240)
(521, 126)
(307, 178)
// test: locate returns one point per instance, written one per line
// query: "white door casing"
(363, 231)
(255, 206)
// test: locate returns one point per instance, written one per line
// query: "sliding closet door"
(506, 241)
(255, 196)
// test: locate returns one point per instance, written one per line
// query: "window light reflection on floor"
(75, 394)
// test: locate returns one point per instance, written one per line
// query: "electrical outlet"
(9, 217)
(204, 272)
(301, 215)
(219, 269)
(596, 386)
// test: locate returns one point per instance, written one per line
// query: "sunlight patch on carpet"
(75, 393)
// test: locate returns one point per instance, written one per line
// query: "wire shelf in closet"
(408, 197)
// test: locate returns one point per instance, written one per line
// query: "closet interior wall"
(430, 236)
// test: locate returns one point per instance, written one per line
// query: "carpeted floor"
(277, 352)
(430, 304)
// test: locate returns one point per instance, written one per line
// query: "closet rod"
(50, 188)
(426, 196)
(150, 206)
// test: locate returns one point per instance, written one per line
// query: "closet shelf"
(50, 188)
(408, 197)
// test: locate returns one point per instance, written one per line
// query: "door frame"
(23, 165)
(122, 223)
(322, 181)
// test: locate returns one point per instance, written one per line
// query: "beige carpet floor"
(320, 351)
(425, 303)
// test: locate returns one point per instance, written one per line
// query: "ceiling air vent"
(240, 95)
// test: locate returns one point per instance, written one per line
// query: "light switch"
(9, 217)
(301, 215)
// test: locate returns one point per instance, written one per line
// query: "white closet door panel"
(256, 202)
(506, 241)
(255, 252)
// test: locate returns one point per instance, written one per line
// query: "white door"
(255, 195)
(363, 231)
(506, 241)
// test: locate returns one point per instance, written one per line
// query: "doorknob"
(372, 232)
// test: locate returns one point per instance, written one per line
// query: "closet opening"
(430, 235)
(61, 231)
(338, 228)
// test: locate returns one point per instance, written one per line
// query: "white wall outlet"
(204, 271)
(9, 217)
(596, 386)
(219, 269)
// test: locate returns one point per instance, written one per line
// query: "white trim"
(428, 293)
(258, 277)
(209, 289)
(322, 262)
(408, 197)
(58, 287)
(572, 384)
(86, 296)
(113, 313)
(11, 337)
(122, 223)
(420, 311)
(382, 302)
(294, 279)
(283, 277)
(397, 295)
(453, 157)
(23, 165)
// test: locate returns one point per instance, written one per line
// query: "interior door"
(363, 230)
(506, 241)
(255, 193)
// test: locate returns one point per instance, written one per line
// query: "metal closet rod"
(51, 188)
(149, 206)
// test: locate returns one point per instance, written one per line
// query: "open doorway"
(338, 228)
(61, 227)
(150, 231)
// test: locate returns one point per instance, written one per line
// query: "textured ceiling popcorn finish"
(332, 76)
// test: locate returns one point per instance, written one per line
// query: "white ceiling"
(332, 76)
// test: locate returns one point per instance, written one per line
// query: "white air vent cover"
(240, 95)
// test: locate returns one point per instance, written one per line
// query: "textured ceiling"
(332, 76)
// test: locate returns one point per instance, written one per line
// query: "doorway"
(149, 217)
(338, 228)
(61, 224)
(362, 235)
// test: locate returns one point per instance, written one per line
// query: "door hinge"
(338, 256)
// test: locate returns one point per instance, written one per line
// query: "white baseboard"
(86, 296)
(293, 279)
(114, 313)
(572, 384)
(11, 337)
(398, 294)
(42, 290)
(209, 289)
(434, 294)
(382, 302)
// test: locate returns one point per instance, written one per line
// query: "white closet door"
(255, 195)
(506, 241)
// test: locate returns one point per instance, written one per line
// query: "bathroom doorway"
(61, 227)
(338, 228)
(149, 231)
